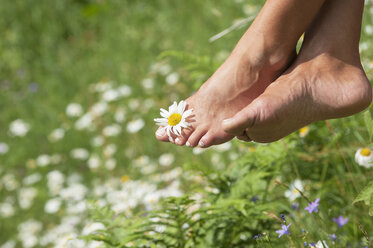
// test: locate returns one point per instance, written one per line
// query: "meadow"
(80, 84)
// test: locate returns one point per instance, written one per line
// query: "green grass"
(67, 47)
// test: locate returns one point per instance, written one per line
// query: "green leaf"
(366, 195)
(368, 119)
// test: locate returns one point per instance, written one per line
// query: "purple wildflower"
(295, 205)
(33, 87)
(283, 217)
(255, 198)
(312, 207)
(340, 221)
(284, 230)
(333, 236)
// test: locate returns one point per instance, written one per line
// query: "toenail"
(160, 132)
(177, 140)
(188, 144)
(201, 143)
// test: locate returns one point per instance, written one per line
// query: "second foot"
(320, 88)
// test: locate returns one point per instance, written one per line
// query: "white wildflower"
(148, 83)
(9, 244)
(110, 150)
(103, 86)
(10, 182)
(164, 69)
(364, 157)
(124, 90)
(110, 164)
(135, 125)
(19, 128)
(6, 210)
(134, 104)
(92, 227)
(74, 110)
(173, 78)
(94, 161)
(43, 160)
(112, 130)
(26, 197)
(99, 108)
(79, 153)
(4, 148)
(120, 115)
(55, 181)
(84, 122)
(110, 95)
(97, 141)
(56, 135)
(175, 119)
(166, 159)
(52, 205)
(31, 179)
(293, 192)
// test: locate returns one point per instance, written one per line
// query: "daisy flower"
(304, 131)
(174, 120)
(364, 157)
(294, 190)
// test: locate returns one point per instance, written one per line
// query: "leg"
(326, 80)
(263, 52)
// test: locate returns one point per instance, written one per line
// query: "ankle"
(254, 48)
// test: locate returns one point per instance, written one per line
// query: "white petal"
(164, 113)
(168, 131)
(178, 128)
(161, 123)
(183, 124)
(160, 120)
(175, 130)
(181, 107)
(187, 113)
(172, 109)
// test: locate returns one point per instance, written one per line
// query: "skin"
(326, 80)
(262, 54)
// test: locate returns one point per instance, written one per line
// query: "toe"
(244, 137)
(207, 140)
(242, 120)
(181, 140)
(195, 137)
(214, 138)
(161, 134)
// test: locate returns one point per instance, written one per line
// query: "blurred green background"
(54, 53)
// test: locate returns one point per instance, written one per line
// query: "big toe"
(240, 121)
(161, 134)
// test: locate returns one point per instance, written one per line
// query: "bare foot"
(322, 88)
(261, 55)
(232, 87)
(326, 80)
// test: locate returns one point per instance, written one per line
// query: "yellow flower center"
(304, 130)
(174, 119)
(295, 191)
(125, 178)
(365, 152)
